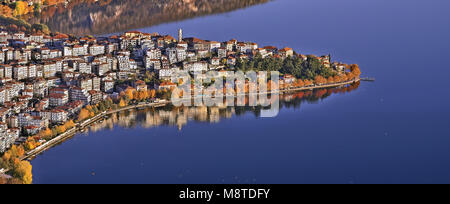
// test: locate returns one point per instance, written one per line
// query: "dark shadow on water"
(113, 16)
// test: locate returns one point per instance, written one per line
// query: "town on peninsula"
(51, 84)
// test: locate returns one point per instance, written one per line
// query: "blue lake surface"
(395, 130)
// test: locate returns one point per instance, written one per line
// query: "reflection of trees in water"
(106, 16)
(295, 99)
(179, 116)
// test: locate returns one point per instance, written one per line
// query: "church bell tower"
(180, 35)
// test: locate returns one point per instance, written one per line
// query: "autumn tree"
(308, 82)
(122, 103)
(122, 94)
(69, 124)
(337, 79)
(344, 77)
(299, 83)
(89, 108)
(330, 80)
(23, 171)
(350, 76)
(31, 144)
(136, 95)
(20, 151)
(129, 93)
(61, 129)
(46, 134)
(354, 69)
(22, 8)
(318, 80)
(84, 114)
(5, 10)
(152, 93)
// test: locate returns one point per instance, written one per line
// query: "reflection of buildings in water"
(179, 116)
(214, 115)
(149, 118)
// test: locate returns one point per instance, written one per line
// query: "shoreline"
(85, 124)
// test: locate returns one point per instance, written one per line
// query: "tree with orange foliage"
(6, 11)
(300, 83)
(337, 79)
(20, 151)
(344, 77)
(22, 8)
(350, 76)
(318, 80)
(136, 95)
(52, 2)
(142, 95)
(16, 151)
(23, 171)
(122, 103)
(308, 82)
(69, 124)
(84, 114)
(354, 69)
(30, 144)
(61, 129)
(130, 93)
(330, 80)
(152, 93)
(139, 95)
(6, 158)
(47, 133)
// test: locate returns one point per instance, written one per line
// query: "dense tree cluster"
(11, 17)
(19, 169)
(22, 7)
(307, 72)
(13, 24)
(11, 159)
(301, 69)
(91, 110)
(50, 133)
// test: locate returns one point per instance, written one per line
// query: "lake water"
(395, 130)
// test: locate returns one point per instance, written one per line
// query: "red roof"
(270, 48)
(285, 49)
(56, 95)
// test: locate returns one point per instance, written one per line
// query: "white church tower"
(180, 35)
